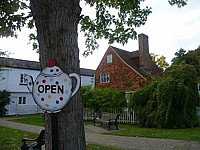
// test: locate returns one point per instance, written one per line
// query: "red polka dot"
(43, 81)
(57, 70)
(61, 98)
(42, 99)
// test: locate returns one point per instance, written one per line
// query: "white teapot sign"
(52, 88)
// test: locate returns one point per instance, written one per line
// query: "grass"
(191, 134)
(36, 120)
(10, 139)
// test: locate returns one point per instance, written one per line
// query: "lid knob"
(51, 63)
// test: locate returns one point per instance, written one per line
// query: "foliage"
(160, 62)
(190, 58)
(185, 73)
(4, 100)
(103, 99)
(169, 102)
(144, 104)
(179, 3)
(2, 53)
(87, 96)
(12, 19)
(179, 54)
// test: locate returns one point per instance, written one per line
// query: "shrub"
(169, 102)
(4, 100)
(103, 99)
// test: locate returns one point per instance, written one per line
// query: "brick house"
(124, 70)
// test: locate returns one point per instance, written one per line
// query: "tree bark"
(56, 22)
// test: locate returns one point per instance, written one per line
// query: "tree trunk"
(56, 22)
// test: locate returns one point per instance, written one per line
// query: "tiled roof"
(126, 56)
(18, 63)
(34, 65)
(87, 72)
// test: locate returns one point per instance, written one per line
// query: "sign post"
(52, 90)
(54, 131)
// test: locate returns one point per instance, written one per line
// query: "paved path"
(93, 135)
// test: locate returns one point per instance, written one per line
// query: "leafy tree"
(4, 100)
(56, 22)
(160, 62)
(178, 55)
(169, 102)
(190, 58)
(11, 19)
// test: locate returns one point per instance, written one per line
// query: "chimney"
(143, 42)
(144, 56)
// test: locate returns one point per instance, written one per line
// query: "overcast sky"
(169, 29)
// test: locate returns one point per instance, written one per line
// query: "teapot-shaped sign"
(52, 88)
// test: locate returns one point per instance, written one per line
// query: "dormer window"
(109, 58)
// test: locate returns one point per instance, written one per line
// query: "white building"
(12, 80)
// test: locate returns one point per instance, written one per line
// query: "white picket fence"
(127, 117)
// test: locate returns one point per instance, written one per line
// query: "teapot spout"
(29, 81)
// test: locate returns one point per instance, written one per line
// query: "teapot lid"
(52, 71)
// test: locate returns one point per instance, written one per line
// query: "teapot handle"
(77, 82)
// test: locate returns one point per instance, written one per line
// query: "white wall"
(30, 107)
(87, 80)
(13, 79)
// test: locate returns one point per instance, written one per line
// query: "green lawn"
(136, 131)
(128, 130)
(10, 139)
(36, 120)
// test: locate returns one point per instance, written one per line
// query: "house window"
(92, 80)
(105, 78)
(22, 81)
(22, 100)
(109, 58)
